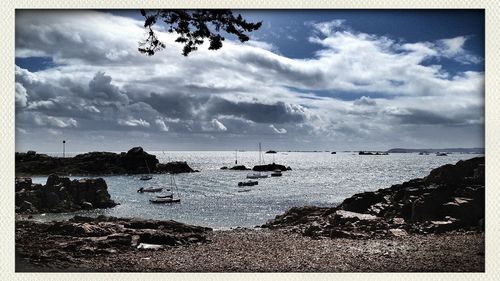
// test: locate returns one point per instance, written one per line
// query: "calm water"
(211, 197)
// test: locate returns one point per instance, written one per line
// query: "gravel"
(263, 250)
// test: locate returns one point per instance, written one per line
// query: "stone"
(396, 232)
(87, 206)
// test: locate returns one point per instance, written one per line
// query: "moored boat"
(151, 189)
(248, 183)
(276, 173)
(164, 200)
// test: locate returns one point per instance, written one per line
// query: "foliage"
(194, 27)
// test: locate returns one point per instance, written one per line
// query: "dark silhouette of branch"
(193, 28)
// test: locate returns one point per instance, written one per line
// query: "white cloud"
(278, 131)
(218, 126)
(161, 125)
(101, 80)
(131, 122)
(21, 96)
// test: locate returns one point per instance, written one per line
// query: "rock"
(361, 202)
(23, 183)
(396, 232)
(240, 168)
(223, 168)
(451, 174)
(145, 246)
(134, 161)
(465, 209)
(158, 238)
(87, 206)
(336, 233)
(175, 167)
(27, 207)
(269, 168)
(452, 197)
(60, 194)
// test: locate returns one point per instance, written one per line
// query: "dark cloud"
(278, 113)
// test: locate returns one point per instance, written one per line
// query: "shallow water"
(211, 198)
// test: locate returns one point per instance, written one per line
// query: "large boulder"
(137, 161)
(60, 194)
(452, 174)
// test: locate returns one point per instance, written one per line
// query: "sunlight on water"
(211, 197)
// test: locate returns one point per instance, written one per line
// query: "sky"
(306, 80)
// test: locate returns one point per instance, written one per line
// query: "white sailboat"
(167, 198)
(258, 175)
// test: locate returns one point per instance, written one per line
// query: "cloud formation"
(358, 90)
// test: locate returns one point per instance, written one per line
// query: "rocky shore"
(450, 198)
(242, 250)
(60, 194)
(134, 161)
(83, 239)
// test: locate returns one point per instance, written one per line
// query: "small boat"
(248, 183)
(167, 198)
(151, 189)
(276, 173)
(258, 175)
(171, 195)
(164, 200)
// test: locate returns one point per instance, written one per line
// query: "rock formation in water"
(270, 167)
(61, 194)
(451, 197)
(135, 161)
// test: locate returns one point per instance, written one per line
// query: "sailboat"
(258, 175)
(146, 177)
(167, 198)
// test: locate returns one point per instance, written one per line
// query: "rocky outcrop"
(270, 167)
(87, 237)
(175, 168)
(240, 168)
(61, 194)
(451, 198)
(135, 161)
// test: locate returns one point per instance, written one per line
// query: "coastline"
(303, 239)
(251, 250)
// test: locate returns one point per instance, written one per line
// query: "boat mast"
(149, 171)
(260, 156)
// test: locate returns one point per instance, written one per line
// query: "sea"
(213, 199)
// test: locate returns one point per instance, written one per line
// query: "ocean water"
(211, 198)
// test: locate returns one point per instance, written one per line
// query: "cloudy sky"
(315, 80)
